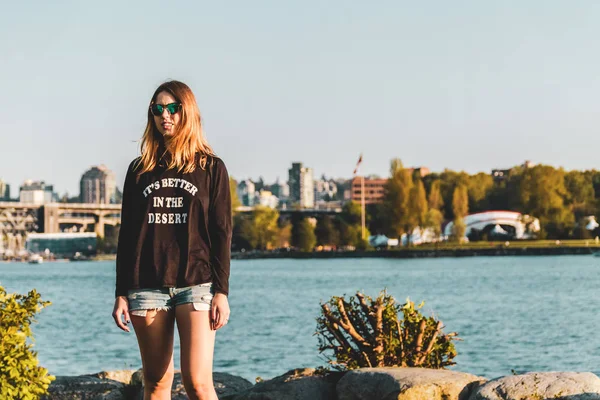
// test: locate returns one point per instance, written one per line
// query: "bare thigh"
(155, 338)
(197, 342)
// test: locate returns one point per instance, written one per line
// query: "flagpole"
(362, 198)
(362, 205)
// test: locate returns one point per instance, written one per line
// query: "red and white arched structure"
(524, 225)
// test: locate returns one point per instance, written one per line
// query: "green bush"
(365, 333)
(20, 376)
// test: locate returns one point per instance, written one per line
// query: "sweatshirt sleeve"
(126, 244)
(220, 227)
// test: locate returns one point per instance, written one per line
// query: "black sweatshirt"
(175, 228)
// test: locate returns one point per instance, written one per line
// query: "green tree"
(235, 200)
(326, 233)
(580, 194)
(284, 234)
(434, 219)
(449, 181)
(346, 234)
(541, 193)
(460, 208)
(396, 199)
(352, 226)
(243, 232)
(460, 202)
(377, 218)
(20, 375)
(479, 188)
(435, 199)
(353, 233)
(351, 213)
(303, 234)
(458, 229)
(498, 197)
(417, 208)
(264, 227)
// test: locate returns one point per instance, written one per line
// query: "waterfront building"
(301, 185)
(325, 190)
(98, 186)
(246, 192)
(373, 190)
(67, 245)
(36, 192)
(267, 199)
(281, 190)
(498, 224)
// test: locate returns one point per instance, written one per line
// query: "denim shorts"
(142, 300)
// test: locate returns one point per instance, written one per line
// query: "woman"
(174, 246)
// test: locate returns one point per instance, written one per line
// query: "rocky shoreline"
(361, 384)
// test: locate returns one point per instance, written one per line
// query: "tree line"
(560, 199)
(263, 229)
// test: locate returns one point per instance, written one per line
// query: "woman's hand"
(219, 313)
(121, 309)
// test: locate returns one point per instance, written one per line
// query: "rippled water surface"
(521, 313)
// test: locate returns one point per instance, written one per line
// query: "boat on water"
(36, 259)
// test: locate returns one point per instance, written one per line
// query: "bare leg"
(197, 347)
(155, 338)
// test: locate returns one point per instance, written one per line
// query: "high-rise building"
(374, 189)
(98, 185)
(246, 192)
(281, 190)
(36, 193)
(267, 199)
(4, 191)
(325, 190)
(301, 185)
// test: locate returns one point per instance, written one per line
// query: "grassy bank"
(446, 249)
(514, 244)
(443, 249)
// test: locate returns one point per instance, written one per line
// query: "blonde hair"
(187, 139)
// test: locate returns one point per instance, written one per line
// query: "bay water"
(534, 313)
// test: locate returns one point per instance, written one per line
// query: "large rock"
(137, 379)
(394, 383)
(297, 384)
(85, 388)
(542, 386)
(123, 376)
(225, 385)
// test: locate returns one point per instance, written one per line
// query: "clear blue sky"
(468, 85)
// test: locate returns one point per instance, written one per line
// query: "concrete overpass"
(19, 219)
(307, 212)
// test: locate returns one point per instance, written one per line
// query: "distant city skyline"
(14, 190)
(464, 85)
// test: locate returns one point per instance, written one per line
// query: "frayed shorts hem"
(164, 299)
(144, 312)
